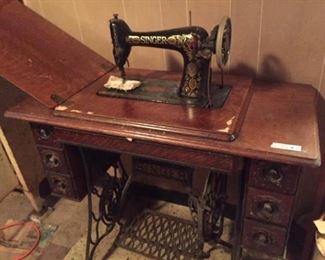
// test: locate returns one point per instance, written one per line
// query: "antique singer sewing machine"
(79, 134)
(195, 89)
(196, 47)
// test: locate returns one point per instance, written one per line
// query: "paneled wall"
(274, 39)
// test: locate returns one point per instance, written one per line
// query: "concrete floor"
(68, 242)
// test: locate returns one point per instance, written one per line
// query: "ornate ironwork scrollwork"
(208, 209)
(155, 234)
(110, 195)
(160, 236)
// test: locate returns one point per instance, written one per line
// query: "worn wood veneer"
(269, 207)
(279, 112)
(44, 61)
(221, 162)
(41, 59)
(221, 123)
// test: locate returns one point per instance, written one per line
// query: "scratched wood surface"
(221, 123)
(42, 60)
(284, 113)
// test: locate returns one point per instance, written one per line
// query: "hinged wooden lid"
(41, 59)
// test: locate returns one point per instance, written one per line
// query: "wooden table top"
(52, 67)
(278, 112)
(222, 123)
(43, 60)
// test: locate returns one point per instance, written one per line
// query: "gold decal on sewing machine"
(191, 87)
(192, 69)
(192, 80)
(134, 39)
(182, 40)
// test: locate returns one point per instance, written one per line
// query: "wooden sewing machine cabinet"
(268, 177)
(273, 142)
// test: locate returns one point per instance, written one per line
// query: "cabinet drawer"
(268, 206)
(61, 185)
(53, 159)
(274, 176)
(264, 238)
(191, 157)
(44, 135)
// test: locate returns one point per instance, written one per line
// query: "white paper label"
(290, 147)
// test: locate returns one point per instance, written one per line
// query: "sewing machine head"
(193, 42)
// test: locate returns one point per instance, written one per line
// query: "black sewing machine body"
(196, 47)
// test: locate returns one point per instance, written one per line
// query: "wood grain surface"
(190, 157)
(44, 61)
(222, 123)
(277, 113)
(41, 59)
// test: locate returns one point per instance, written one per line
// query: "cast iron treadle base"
(160, 236)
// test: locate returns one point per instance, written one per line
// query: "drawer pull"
(52, 160)
(262, 238)
(266, 209)
(60, 185)
(44, 134)
(274, 176)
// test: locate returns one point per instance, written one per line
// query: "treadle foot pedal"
(160, 236)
